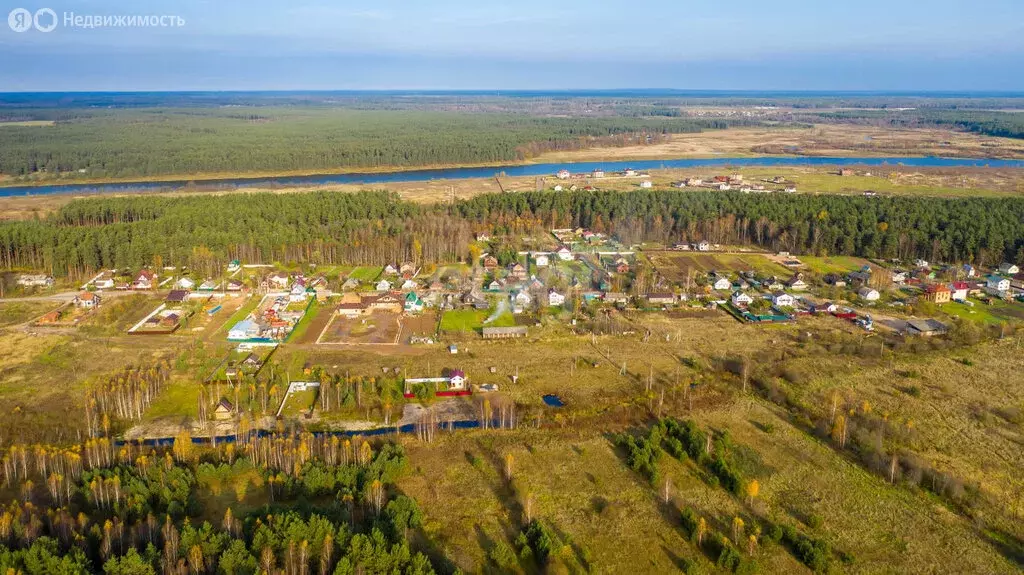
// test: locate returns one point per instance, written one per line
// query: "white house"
(782, 299)
(922, 264)
(104, 283)
(297, 293)
(722, 284)
(960, 291)
(969, 271)
(87, 300)
(899, 277)
(868, 294)
(599, 173)
(1008, 269)
(564, 254)
(703, 246)
(541, 260)
(797, 283)
(408, 285)
(563, 174)
(383, 285)
(790, 189)
(555, 299)
(646, 184)
(390, 270)
(185, 283)
(280, 280)
(558, 187)
(740, 299)
(997, 283)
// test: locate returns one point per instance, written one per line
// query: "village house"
(790, 189)
(386, 302)
(409, 284)
(969, 271)
(322, 292)
(564, 254)
(661, 298)
(868, 294)
(413, 303)
(541, 260)
(104, 282)
(937, 293)
(383, 285)
(234, 266)
(184, 283)
(835, 280)
(997, 283)
(177, 296)
(646, 184)
(490, 263)
(1008, 269)
(563, 174)
(39, 280)
(702, 246)
(145, 280)
(517, 271)
(225, 410)
(235, 285)
(925, 327)
(208, 285)
(555, 299)
(351, 305)
(279, 280)
(297, 293)
(520, 300)
(616, 297)
(390, 270)
(722, 283)
(598, 173)
(621, 266)
(860, 278)
(899, 276)
(407, 269)
(740, 299)
(782, 299)
(495, 285)
(87, 300)
(797, 282)
(960, 291)
(921, 264)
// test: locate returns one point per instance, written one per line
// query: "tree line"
(124, 143)
(374, 227)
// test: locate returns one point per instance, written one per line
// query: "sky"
(915, 45)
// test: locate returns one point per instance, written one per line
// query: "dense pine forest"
(289, 505)
(162, 141)
(205, 232)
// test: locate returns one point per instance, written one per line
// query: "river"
(491, 171)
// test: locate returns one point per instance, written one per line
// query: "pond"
(553, 400)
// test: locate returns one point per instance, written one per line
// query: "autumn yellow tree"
(753, 488)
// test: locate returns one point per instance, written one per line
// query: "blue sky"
(527, 44)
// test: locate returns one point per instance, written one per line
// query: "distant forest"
(146, 135)
(136, 143)
(205, 232)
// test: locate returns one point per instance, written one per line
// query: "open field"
(375, 328)
(819, 140)
(834, 264)
(472, 320)
(14, 313)
(675, 265)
